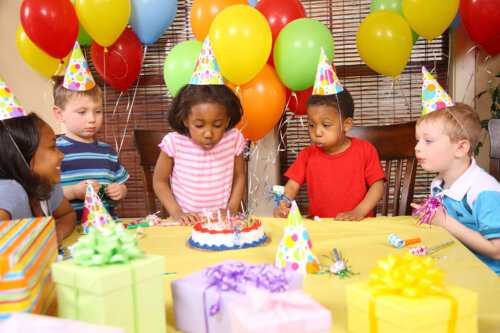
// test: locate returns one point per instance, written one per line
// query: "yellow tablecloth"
(362, 243)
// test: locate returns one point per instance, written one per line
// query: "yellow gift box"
(407, 295)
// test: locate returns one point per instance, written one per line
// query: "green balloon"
(83, 37)
(297, 50)
(179, 64)
(395, 6)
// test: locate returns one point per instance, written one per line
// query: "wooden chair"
(494, 131)
(395, 145)
(147, 142)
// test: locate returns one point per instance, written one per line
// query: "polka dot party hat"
(78, 76)
(433, 95)
(296, 250)
(95, 214)
(206, 70)
(326, 82)
(9, 105)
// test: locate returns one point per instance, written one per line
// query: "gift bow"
(111, 245)
(408, 276)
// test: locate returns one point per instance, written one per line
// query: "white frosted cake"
(227, 235)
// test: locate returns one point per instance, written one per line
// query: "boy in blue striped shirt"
(86, 159)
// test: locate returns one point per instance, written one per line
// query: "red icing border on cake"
(198, 227)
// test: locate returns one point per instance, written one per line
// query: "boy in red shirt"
(344, 176)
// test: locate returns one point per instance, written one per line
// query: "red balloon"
(279, 13)
(297, 103)
(121, 65)
(493, 47)
(481, 19)
(52, 25)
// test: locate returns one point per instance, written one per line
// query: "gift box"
(199, 304)
(289, 311)
(407, 295)
(31, 323)
(128, 295)
(27, 250)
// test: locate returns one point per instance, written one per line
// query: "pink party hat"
(94, 212)
(9, 105)
(326, 82)
(296, 250)
(78, 76)
(433, 95)
(206, 70)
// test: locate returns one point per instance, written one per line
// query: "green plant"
(494, 92)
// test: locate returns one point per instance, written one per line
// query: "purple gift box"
(201, 299)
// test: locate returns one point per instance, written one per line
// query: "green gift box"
(124, 295)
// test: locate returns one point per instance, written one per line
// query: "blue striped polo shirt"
(83, 161)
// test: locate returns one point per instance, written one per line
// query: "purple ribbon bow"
(429, 208)
(235, 277)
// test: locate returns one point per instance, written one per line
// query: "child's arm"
(65, 217)
(161, 186)
(238, 188)
(4, 215)
(470, 238)
(373, 196)
(291, 190)
(116, 191)
(78, 191)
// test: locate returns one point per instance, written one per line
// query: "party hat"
(206, 70)
(433, 95)
(95, 214)
(78, 76)
(9, 105)
(326, 82)
(296, 250)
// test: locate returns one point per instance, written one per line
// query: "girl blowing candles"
(201, 164)
(30, 174)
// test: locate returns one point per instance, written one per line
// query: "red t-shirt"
(337, 183)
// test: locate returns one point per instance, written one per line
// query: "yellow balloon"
(104, 20)
(430, 18)
(242, 40)
(36, 58)
(384, 42)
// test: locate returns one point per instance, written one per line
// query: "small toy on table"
(339, 266)
(423, 251)
(398, 242)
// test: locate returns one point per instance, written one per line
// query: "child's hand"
(282, 210)
(116, 191)
(440, 217)
(186, 218)
(352, 215)
(81, 187)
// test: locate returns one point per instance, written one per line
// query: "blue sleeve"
(121, 175)
(56, 197)
(486, 212)
(14, 200)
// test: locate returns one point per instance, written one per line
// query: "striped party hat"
(433, 95)
(9, 105)
(78, 76)
(326, 82)
(296, 250)
(206, 70)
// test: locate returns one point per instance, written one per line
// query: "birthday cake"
(228, 234)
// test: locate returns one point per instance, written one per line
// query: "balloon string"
(125, 62)
(105, 97)
(471, 76)
(113, 130)
(290, 97)
(131, 105)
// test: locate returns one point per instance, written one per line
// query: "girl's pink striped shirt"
(202, 179)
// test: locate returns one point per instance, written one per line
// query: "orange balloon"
(203, 13)
(263, 99)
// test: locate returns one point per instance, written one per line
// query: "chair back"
(395, 145)
(494, 131)
(146, 142)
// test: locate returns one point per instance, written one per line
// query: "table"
(362, 243)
